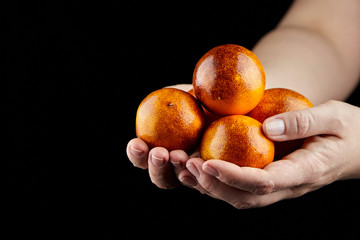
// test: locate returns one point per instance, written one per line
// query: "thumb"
(321, 119)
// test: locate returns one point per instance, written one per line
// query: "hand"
(331, 152)
(163, 166)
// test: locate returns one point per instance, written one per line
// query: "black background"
(74, 74)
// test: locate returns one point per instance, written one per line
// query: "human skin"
(329, 154)
(309, 51)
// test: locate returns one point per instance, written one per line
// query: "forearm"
(308, 55)
(303, 61)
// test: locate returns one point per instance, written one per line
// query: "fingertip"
(194, 162)
(160, 169)
(137, 147)
(218, 164)
(273, 128)
(178, 158)
(209, 164)
(210, 170)
(216, 167)
(137, 151)
(159, 156)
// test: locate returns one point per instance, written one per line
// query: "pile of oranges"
(223, 113)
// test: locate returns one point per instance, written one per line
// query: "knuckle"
(249, 203)
(231, 181)
(166, 187)
(208, 185)
(242, 205)
(297, 192)
(264, 188)
(340, 116)
(304, 121)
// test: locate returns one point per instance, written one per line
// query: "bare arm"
(315, 49)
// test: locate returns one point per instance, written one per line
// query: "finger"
(178, 158)
(304, 123)
(245, 178)
(207, 182)
(160, 168)
(239, 198)
(137, 151)
(277, 176)
(188, 179)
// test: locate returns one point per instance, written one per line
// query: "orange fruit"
(170, 118)
(238, 139)
(228, 80)
(276, 101)
(209, 116)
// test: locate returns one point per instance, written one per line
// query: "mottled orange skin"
(229, 79)
(276, 101)
(170, 118)
(238, 139)
(209, 116)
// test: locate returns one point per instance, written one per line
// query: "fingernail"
(157, 162)
(275, 127)
(190, 181)
(210, 170)
(192, 168)
(135, 152)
